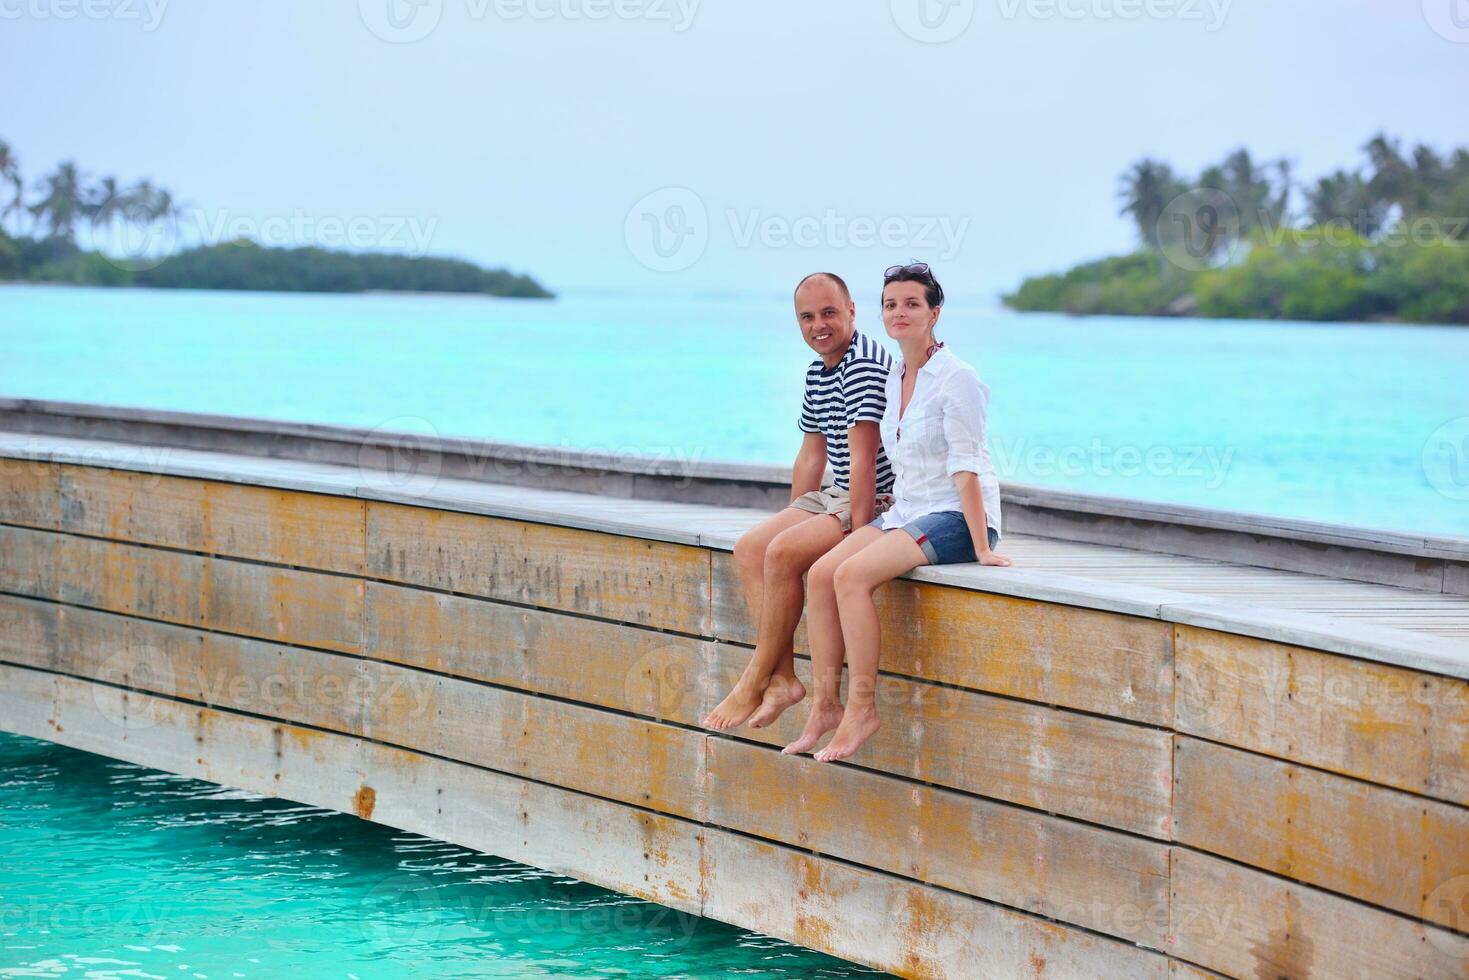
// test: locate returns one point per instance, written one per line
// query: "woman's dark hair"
(918, 272)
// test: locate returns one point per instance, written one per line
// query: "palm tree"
(1145, 191)
(1343, 199)
(1391, 182)
(10, 174)
(63, 202)
(104, 202)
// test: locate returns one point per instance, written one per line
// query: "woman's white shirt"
(941, 433)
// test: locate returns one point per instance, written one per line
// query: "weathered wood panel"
(1097, 661)
(1246, 923)
(28, 632)
(1110, 882)
(287, 527)
(1091, 768)
(1380, 845)
(1385, 724)
(897, 925)
(627, 759)
(650, 583)
(608, 664)
(127, 505)
(28, 493)
(282, 604)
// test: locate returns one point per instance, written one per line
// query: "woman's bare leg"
(854, 581)
(824, 630)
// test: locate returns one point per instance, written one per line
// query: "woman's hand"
(988, 557)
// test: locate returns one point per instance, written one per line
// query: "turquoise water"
(113, 870)
(1352, 423)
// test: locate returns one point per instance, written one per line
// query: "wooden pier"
(1168, 743)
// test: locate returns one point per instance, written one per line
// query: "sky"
(709, 145)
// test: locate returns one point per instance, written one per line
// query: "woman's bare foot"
(737, 705)
(857, 726)
(780, 694)
(822, 720)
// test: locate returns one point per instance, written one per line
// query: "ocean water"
(111, 870)
(1362, 424)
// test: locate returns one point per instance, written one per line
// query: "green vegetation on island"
(1387, 244)
(39, 243)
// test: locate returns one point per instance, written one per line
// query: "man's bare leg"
(749, 559)
(828, 650)
(790, 556)
(782, 594)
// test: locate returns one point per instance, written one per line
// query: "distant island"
(38, 244)
(1390, 243)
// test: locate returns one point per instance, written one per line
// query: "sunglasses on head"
(916, 268)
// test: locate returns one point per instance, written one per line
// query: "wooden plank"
(28, 562)
(1245, 923)
(1095, 769)
(1398, 727)
(1110, 882)
(28, 493)
(127, 505)
(610, 755)
(1097, 661)
(1056, 760)
(1380, 845)
(649, 583)
(308, 530)
(653, 857)
(28, 632)
(608, 664)
(283, 604)
(897, 925)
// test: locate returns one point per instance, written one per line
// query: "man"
(840, 412)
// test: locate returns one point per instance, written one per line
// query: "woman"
(947, 509)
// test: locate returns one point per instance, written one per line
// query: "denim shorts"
(944, 536)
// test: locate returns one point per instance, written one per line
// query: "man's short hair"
(840, 282)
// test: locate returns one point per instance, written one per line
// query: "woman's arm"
(964, 404)
(972, 501)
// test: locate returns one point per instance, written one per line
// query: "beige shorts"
(838, 503)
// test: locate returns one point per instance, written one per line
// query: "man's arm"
(863, 440)
(810, 465)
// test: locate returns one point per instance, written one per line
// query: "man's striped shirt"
(838, 398)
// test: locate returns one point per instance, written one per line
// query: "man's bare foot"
(737, 705)
(780, 694)
(822, 720)
(857, 727)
